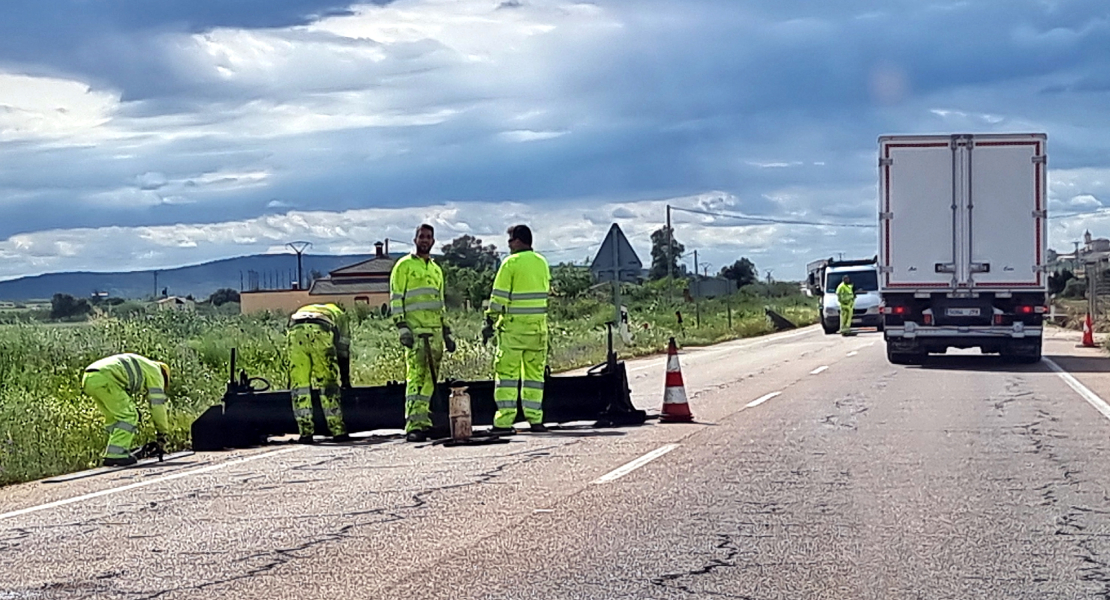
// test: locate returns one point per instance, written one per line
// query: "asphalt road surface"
(815, 469)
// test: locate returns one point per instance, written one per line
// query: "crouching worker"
(113, 382)
(318, 338)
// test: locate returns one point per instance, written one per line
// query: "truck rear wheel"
(830, 329)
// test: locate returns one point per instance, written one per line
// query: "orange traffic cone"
(1088, 333)
(675, 407)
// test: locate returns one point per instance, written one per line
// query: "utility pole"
(670, 255)
(1091, 303)
(670, 244)
(728, 303)
(299, 248)
(697, 304)
(156, 285)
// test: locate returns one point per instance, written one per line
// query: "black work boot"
(502, 431)
(416, 435)
(538, 428)
(126, 461)
(306, 439)
(341, 438)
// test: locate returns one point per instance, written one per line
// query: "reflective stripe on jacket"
(416, 294)
(845, 294)
(331, 317)
(140, 377)
(520, 293)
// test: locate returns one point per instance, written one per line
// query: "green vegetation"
(48, 426)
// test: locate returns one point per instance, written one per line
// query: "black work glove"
(448, 341)
(407, 340)
(487, 332)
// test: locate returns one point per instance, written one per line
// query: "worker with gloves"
(518, 313)
(416, 303)
(846, 296)
(319, 348)
(113, 382)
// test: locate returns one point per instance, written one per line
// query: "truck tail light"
(997, 319)
(928, 319)
(894, 310)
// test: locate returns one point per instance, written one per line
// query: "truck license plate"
(962, 312)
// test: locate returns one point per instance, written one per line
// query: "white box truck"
(962, 238)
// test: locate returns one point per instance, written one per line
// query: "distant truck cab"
(824, 277)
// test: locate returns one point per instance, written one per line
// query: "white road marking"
(1091, 397)
(761, 400)
(636, 464)
(819, 370)
(710, 350)
(48, 505)
(853, 353)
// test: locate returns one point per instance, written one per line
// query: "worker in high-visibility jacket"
(518, 313)
(318, 338)
(846, 297)
(416, 303)
(114, 382)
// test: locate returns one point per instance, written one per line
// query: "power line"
(774, 221)
(1094, 213)
(574, 249)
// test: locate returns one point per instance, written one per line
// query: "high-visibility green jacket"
(416, 294)
(519, 298)
(332, 318)
(845, 294)
(140, 377)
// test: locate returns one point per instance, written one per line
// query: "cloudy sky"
(138, 134)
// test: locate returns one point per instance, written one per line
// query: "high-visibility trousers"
(118, 409)
(519, 373)
(314, 365)
(846, 312)
(419, 383)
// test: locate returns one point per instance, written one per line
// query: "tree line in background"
(65, 307)
(469, 267)
(665, 261)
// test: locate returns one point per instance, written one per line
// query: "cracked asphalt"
(963, 478)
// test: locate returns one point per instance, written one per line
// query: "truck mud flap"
(248, 414)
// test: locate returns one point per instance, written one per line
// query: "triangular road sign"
(616, 259)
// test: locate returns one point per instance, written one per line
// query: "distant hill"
(199, 281)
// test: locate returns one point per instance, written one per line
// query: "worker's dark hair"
(521, 233)
(423, 226)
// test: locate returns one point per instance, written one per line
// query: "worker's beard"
(424, 249)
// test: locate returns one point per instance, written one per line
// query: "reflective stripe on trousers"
(313, 365)
(519, 373)
(120, 416)
(419, 385)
